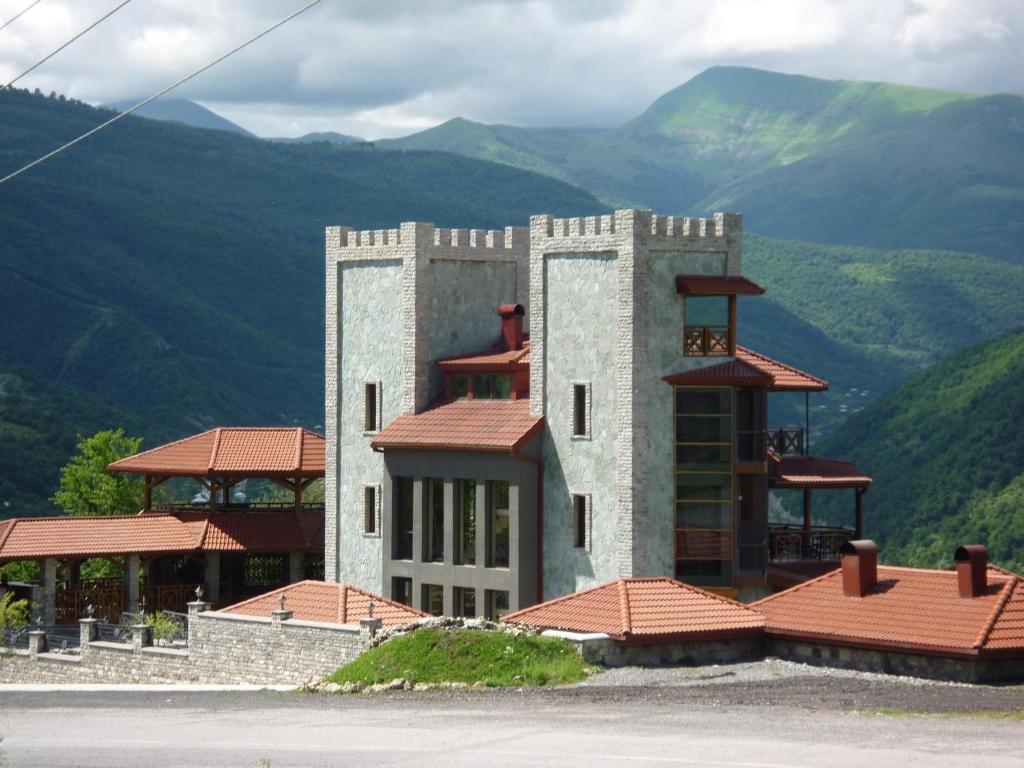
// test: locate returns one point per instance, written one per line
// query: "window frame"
(372, 513)
(372, 416)
(579, 410)
(581, 543)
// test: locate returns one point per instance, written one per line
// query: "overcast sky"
(378, 68)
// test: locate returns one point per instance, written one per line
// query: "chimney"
(860, 567)
(971, 569)
(512, 325)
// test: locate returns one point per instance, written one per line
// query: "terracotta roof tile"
(228, 531)
(717, 285)
(472, 425)
(327, 602)
(638, 609)
(815, 472)
(750, 369)
(240, 451)
(495, 357)
(908, 609)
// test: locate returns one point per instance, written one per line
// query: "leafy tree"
(88, 489)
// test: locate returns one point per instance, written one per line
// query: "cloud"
(388, 67)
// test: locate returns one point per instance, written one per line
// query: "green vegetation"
(88, 489)
(802, 158)
(467, 656)
(164, 626)
(947, 456)
(13, 613)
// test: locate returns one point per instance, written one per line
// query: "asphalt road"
(266, 729)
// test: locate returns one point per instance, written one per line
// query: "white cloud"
(387, 67)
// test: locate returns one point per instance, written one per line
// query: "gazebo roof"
(235, 452)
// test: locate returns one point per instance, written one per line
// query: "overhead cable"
(60, 48)
(155, 96)
(20, 13)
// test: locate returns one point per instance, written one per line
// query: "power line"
(20, 13)
(57, 50)
(157, 95)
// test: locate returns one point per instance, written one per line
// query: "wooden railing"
(106, 596)
(169, 597)
(792, 542)
(787, 441)
(706, 340)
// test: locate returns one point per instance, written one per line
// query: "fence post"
(194, 609)
(88, 630)
(142, 636)
(36, 642)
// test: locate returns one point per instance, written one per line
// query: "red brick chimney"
(971, 569)
(860, 567)
(512, 325)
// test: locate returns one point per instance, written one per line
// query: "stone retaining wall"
(601, 649)
(222, 648)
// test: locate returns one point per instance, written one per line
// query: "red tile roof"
(716, 285)
(642, 610)
(157, 532)
(909, 609)
(238, 451)
(750, 369)
(327, 602)
(497, 357)
(471, 425)
(814, 472)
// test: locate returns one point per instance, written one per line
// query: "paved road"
(503, 729)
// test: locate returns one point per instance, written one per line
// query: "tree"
(87, 488)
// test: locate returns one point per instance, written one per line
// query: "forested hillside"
(946, 451)
(803, 158)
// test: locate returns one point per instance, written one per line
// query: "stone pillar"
(49, 577)
(142, 636)
(131, 583)
(212, 574)
(296, 566)
(88, 630)
(279, 615)
(369, 626)
(194, 609)
(36, 601)
(36, 642)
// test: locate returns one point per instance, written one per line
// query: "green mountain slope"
(803, 158)
(178, 273)
(947, 455)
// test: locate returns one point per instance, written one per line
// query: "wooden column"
(858, 526)
(148, 493)
(732, 326)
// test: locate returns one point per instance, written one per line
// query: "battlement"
(720, 225)
(425, 234)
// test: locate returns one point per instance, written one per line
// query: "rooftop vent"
(971, 569)
(860, 567)
(512, 325)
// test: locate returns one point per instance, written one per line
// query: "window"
(433, 599)
(704, 491)
(498, 554)
(371, 406)
(465, 602)
(465, 493)
(401, 590)
(492, 386)
(707, 331)
(581, 521)
(371, 510)
(497, 604)
(434, 523)
(581, 409)
(403, 516)
(460, 386)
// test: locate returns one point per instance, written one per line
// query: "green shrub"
(13, 613)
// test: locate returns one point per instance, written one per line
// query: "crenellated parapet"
(429, 238)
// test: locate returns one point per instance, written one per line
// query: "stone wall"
(223, 648)
(959, 670)
(601, 649)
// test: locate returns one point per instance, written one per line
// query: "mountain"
(873, 164)
(331, 137)
(180, 111)
(947, 455)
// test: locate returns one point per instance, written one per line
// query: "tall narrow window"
(434, 528)
(370, 400)
(370, 502)
(402, 546)
(580, 520)
(433, 599)
(401, 590)
(499, 539)
(466, 497)
(580, 414)
(497, 603)
(465, 602)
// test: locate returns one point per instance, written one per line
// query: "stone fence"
(222, 648)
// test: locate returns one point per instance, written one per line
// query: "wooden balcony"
(707, 341)
(793, 542)
(787, 441)
(752, 446)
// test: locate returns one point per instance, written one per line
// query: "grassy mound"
(432, 655)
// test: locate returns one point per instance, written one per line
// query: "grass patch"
(469, 656)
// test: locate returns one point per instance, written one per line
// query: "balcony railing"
(787, 441)
(792, 542)
(706, 340)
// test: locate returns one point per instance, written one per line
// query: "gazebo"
(230, 547)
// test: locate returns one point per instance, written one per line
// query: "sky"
(383, 68)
